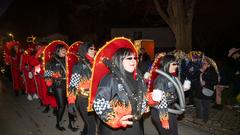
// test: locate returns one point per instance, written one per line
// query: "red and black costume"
(55, 76)
(27, 64)
(12, 58)
(79, 88)
(169, 96)
(46, 98)
(114, 95)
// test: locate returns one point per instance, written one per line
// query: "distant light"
(10, 34)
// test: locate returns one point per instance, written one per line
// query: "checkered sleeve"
(102, 108)
(74, 81)
(48, 73)
(163, 103)
(163, 106)
(101, 103)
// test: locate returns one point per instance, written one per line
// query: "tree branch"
(161, 12)
(169, 8)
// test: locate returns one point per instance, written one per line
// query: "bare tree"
(178, 14)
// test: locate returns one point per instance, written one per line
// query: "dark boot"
(41, 103)
(55, 111)
(16, 93)
(23, 92)
(60, 126)
(46, 110)
(72, 126)
(82, 133)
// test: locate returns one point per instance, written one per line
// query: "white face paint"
(173, 67)
(62, 52)
(91, 51)
(130, 63)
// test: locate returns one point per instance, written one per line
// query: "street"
(21, 117)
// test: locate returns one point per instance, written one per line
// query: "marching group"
(112, 87)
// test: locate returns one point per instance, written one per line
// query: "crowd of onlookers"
(227, 84)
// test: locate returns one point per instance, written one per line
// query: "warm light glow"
(10, 34)
(31, 39)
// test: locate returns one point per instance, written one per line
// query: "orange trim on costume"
(90, 98)
(119, 110)
(83, 85)
(153, 75)
(71, 99)
(165, 123)
(49, 82)
(114, 123)
(164, 118)
(72, 50)
(150, 100)
(56, 75)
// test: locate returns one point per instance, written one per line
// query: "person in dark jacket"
(120, 96)
(55, 71)
(168, 121)
(117, 102)
(79, 87)
(144, 61)
(207, 79)
(225, 80)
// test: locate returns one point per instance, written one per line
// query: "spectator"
(207, 79)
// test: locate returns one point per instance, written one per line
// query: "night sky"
(215, 24)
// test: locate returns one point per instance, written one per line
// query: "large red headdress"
(153, 74)
(50, 49)
(71, 59)
(99, 69)
(7, 49)
(9, 45)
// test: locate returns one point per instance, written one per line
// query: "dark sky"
(216, 26)
(219, 15)
(215, 21)
(26, 16)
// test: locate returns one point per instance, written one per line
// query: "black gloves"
(72, 109)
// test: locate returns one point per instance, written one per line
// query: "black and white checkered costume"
(74, 81)
(163, 103)
(79, 72)
(108, 90)
(48, 73)
(54, 66)
(169, 93)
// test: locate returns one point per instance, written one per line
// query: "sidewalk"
(221, 122)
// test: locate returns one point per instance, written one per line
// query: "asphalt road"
(21, 117)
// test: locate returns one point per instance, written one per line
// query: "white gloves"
(146, 75)
(186, 85)
(157, 95)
